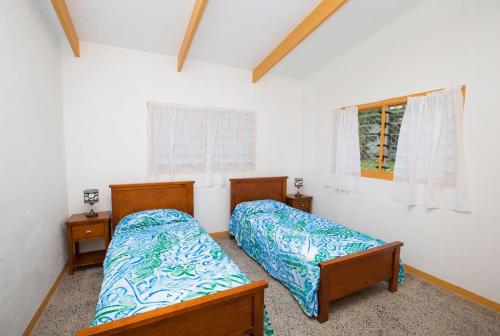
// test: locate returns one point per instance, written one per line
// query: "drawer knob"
(302, 205)
(88, 231)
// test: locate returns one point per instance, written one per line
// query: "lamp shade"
(299, 181)
(91, 196)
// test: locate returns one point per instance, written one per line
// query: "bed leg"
(323, 311)
(258, 314)
(393, 282)
(393, 285)
(323, 303)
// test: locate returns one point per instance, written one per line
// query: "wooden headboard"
(129, 198)
(258, 188)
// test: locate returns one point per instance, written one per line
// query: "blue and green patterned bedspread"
(160, 257)
(289, 244)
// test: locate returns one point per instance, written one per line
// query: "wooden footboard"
(345, 275)
(237, 311)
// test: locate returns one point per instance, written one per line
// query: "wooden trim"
(45, 302)
(257, 188)
(377, 174)
(235, 311)
(398, 100)
(129, 198)
(381, 151)
(453, 288)
(67, 25)
(221, 234)
(342, 276)
(194, 21)
(309, 24)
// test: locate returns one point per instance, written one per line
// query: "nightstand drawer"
(303, 203)
(304, 207)
(87, 231)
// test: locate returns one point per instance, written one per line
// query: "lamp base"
(92, 213)
(298, 194)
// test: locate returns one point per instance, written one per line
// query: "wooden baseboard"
(45, 301)
(454, 288)
(219, 234)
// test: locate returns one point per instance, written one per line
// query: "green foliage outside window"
(394, 118)
(370, 126)
(369, 138)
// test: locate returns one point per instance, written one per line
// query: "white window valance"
(430, 162)
(204, 141)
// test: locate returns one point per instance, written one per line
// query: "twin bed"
(317, 259)
(164, 275)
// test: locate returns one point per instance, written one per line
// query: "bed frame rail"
(237, 311)
(345, 275)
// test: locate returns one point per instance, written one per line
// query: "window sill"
(377, 175)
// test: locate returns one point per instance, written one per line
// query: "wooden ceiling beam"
(194, 21)
(318, 15)
(67, 25)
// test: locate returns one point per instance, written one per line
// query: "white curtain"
(344, 166)
(177, 139)
(230, 144)
(205, 143)
(430, 163)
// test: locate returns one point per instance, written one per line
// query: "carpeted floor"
(417, 308)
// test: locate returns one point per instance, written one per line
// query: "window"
(369, 138)
(394, 117)
(192, 139)
(379, 125)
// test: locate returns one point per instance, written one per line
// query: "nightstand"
(303, 203)
(79, 228)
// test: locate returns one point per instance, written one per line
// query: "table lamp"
(91, 196)
(299, 182)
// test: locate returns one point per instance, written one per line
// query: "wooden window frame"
(384, 105)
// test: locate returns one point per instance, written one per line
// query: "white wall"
(439, 44)
(33, 200)
(105, 96)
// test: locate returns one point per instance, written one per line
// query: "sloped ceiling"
(236, 33)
